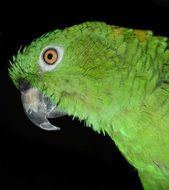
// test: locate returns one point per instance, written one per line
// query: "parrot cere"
(115, 79)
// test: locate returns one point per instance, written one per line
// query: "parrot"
(113, 78)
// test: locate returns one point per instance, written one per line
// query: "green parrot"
(115, 79)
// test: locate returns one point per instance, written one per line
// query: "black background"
(75, 157)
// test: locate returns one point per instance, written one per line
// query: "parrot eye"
(50, 57)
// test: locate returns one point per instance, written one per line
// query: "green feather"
(115, 79)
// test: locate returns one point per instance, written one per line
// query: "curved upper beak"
(38, 107)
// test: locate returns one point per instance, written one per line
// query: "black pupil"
(50, 56)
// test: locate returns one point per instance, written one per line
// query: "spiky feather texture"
(116, 80)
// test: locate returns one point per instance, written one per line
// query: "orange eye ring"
(50, 56)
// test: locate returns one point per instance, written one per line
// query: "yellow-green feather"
(115, 79)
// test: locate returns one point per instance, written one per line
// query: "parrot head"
(64, 72)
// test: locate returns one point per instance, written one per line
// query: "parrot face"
(115, 79)
(57, 72)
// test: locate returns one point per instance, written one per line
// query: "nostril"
(24, 85)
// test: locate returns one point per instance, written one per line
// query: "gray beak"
(38, 107)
